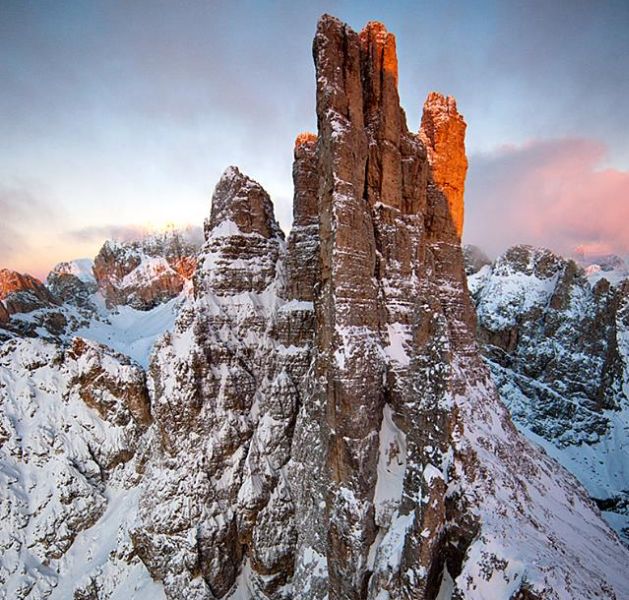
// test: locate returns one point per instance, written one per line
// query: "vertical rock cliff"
(417, 483)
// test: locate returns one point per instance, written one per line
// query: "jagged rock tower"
(324, 426)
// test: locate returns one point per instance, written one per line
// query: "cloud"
(120, 233)
(550, 193)
(131, 232)
(22, 207)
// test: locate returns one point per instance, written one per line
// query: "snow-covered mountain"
(306, 418)
(557, 342)
(142, 274)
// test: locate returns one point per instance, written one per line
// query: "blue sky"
(121, 115)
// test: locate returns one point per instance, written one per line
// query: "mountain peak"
(443, 133)
(243, 201)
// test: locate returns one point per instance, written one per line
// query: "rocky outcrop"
(302, 256)
(22, 293)
(144, 273)
(27, 307)
(556, 345)
(226, 385)
(443, 133)
(73, 283)
(401, 412)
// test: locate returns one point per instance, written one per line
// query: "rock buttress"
(379, 328)
(225, 386)
(424, 481)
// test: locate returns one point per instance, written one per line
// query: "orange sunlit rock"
(185, 266)
(378, 40)
(12, 281)
(21, 293)
(304, 138)
(443, 133)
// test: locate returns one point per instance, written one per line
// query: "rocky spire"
(302, 258)
(373, 320)
(243, 239)
(242, 201)
(443, 133)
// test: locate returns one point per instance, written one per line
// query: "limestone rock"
(556, 345)
(144, 273)
(226, 387)
(22, 293)
(443, 133)
(4, 314)
(321, 424)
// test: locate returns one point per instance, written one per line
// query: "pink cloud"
(549, 193)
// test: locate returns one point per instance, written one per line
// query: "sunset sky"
(120, 116)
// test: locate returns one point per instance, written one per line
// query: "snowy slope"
(71, 429)
(556, 343)
(82, 268)
(130, 331)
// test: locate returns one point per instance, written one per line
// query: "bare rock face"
(302, 256)
(243, 240)
(443, 133)
(73, 283)
(144, 273)
(22, 293)
(414, 442)
(28, 307)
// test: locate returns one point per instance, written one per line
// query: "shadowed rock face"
(302, 256)
(227, 384)
(386, 235)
